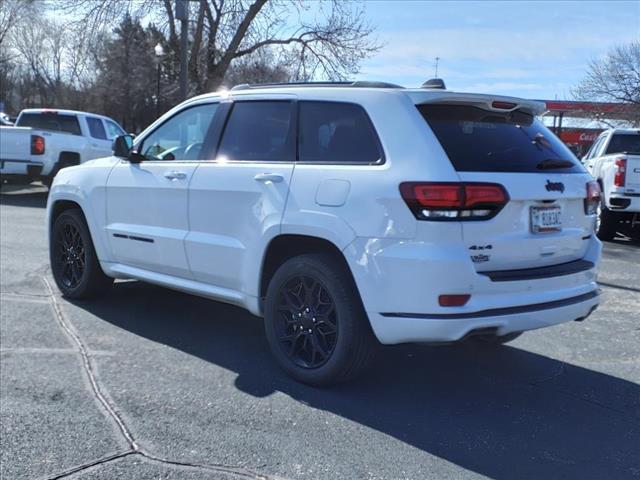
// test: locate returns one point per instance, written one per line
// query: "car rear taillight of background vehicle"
(621, 171)
(593, 198)
(454, 201)
(37, 145)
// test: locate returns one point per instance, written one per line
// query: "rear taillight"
(454, 201)
(621, 172)
(37, 145)
(593, 198)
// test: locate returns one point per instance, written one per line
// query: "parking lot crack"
(88, 368)
(134, 446)
(218, 468)
(94, 463)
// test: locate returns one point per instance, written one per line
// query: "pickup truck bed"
(18, 158)
(65, 138)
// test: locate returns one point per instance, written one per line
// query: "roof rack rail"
(356, 84)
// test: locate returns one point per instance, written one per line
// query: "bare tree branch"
(615, 78)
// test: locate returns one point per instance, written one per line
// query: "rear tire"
(496, 339)
(606, 224)
(315, 323)
(74, 262)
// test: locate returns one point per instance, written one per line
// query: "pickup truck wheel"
(315, 323)
(606, 223)
(74, 262)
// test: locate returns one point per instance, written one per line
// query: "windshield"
(478, 140)
(625, 143)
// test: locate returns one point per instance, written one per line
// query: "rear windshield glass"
(627, 143)
(478, 140)
(50, 121)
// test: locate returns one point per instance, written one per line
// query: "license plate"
(546, 219)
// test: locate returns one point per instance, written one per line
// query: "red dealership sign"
(579, 136)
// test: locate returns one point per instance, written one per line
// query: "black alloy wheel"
(308, 323)
(74, 262)
(315, 323)
(70, 255)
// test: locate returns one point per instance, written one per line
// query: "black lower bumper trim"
(537, 273)
(617, 202)
(495, 312)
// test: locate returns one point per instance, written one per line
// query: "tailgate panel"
(506, 242)
(632, 181)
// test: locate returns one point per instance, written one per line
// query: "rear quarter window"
(478, 140)
(334, 132)
(52, 121)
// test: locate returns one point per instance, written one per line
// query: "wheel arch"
(67, 158)
(285, 246)
(59, 205)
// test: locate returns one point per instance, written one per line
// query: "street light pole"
(159, 51)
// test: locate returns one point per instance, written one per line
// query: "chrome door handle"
(173, 175)
(268, 177)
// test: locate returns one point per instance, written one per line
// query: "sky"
(521, 48)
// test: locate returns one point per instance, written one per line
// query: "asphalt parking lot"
(148, 383)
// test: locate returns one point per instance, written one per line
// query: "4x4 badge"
(554, 186)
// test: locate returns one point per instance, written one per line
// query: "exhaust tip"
(580, 319)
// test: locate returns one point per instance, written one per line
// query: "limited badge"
(481, 258)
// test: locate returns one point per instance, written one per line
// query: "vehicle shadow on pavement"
(23, 197)
(501, 412)
(626, 241)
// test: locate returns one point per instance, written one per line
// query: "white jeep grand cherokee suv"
(344, 214)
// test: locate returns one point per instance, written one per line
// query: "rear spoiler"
(496, 103)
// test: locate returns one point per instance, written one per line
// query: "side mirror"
(122, 145)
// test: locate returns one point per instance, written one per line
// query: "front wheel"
(315, 323)
(74, 262)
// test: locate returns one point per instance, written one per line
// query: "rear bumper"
(394, 328)
(20, 168)
(624, 203)
(400, 281)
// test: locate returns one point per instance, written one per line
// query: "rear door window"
(333, 132)
(96, 128)
(51, 121)
(478, 140)
(624, 143)
(259, 131)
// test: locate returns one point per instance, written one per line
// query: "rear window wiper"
(551, 163)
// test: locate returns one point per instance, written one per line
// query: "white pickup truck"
(44, 140)
(614, 161)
